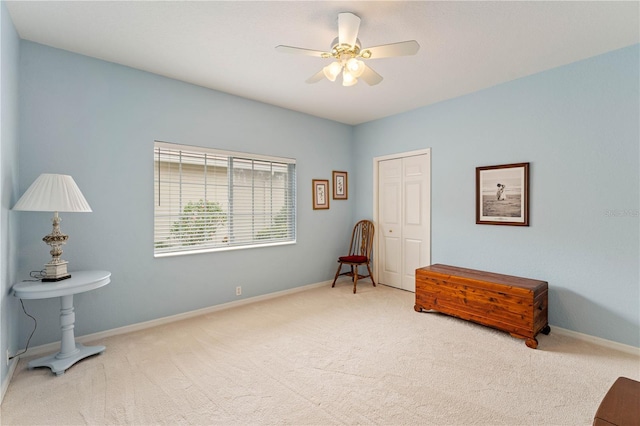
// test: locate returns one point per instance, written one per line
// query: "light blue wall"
(578, 126)
(9, 52)
(97, 121)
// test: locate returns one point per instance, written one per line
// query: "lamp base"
(51, 280)
(56, 271)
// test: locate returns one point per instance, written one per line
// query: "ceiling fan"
(348, 54)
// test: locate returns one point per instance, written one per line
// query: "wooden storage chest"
(516, 305)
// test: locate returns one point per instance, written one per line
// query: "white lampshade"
(355, 67)
(332, 70)
(348, 79)
(53, 193)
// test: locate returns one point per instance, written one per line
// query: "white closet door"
(404, 218)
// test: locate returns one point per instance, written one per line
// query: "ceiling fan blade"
(348, 26)
(316, 77)
(403, 48)
(370, 77)
(301, 51)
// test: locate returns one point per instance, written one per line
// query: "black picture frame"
(502, 195)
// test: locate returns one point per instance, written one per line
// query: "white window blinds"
(208, 199)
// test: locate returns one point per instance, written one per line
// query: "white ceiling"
(229, 45)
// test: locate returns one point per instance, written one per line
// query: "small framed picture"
(340, 186)
(502, 195)
(320, 194)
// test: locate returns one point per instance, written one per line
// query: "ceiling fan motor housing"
(338, 50)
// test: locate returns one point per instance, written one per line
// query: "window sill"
(221, 249)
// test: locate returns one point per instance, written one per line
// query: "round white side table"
(70, 351)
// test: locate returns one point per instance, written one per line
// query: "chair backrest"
(362, 239)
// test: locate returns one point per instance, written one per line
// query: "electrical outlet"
(238, 291)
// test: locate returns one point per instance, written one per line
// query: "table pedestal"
(58, 365)
(70, 351)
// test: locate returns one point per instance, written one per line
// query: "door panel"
(391, 211)
(413, 206)
(390, 223)
(415, 230)
(412, 259)
(392, 259)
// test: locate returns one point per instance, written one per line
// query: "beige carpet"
(323, 357)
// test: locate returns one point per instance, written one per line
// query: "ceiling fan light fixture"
(348, 54)
(332, 70)
(348, 79)
(355, 67)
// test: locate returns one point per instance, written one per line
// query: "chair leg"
(371, 275)
(337, 275)
(355, 278)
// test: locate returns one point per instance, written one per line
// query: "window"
(207, 199)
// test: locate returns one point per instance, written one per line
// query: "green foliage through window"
(198, 223)
(279, 228)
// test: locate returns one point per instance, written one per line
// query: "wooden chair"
(359, 253)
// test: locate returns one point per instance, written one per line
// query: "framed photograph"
(320, 194)
(340, 186)
(502, 195)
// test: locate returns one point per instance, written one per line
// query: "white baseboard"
(597, 340)
(55, 346)
(5, 384)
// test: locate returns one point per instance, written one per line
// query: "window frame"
(289, 194)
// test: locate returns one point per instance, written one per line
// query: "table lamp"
(54, 193)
